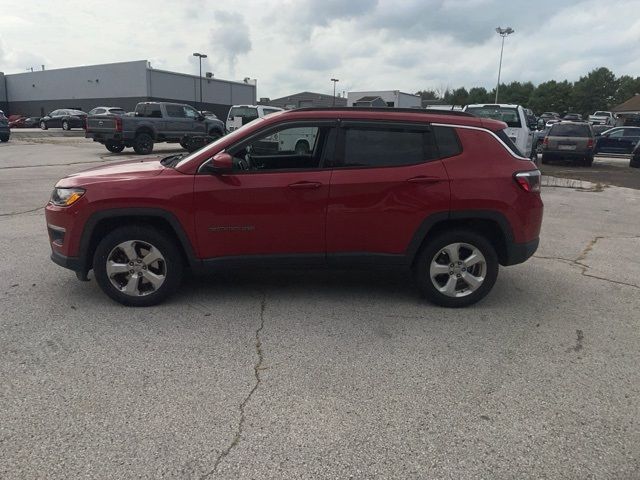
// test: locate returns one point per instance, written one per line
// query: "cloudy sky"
(295, 45)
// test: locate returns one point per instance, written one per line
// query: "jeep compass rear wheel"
(457, 268)
(137, 266)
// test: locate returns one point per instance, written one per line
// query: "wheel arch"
(145, 129)
(491, 224)
(104, 221)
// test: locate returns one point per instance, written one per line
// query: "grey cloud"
(230, 36)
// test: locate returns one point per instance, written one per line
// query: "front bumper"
(520, 252)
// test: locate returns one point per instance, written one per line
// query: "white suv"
(518, 129)
(240, 115)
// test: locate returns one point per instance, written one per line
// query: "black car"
(573, 117)
(618, 140)
(5, 133)
(63, 118)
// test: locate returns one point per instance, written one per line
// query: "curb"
(560, 182)
(33, 133)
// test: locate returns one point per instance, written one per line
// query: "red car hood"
(127, 170)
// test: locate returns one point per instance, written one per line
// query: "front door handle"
(424, 179)
(305, 185)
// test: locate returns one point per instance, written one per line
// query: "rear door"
(610, 142)
(177, 124)
(386, 181)
(630, 138)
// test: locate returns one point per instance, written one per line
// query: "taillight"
(118, 121)
(590, 143)
(545, 142)
(528, 181)
(86, 123)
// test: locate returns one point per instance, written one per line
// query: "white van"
(518, 130)
(240, 115)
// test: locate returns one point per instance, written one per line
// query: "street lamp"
(200, 57)
(503, 32)
(334, 80)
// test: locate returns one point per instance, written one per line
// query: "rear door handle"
(305, 185)
(423, 179)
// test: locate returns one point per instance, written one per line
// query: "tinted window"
(190, 112)
(116, 111)
(176, 111)
(601, 114)
(267, 111)
(509, 116)
(384, 146)
(569, 130)
(447, 141)
(75, 112)
(152, 111)
(97, 111)
(631, 132)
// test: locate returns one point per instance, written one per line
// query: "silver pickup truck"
(151, 123)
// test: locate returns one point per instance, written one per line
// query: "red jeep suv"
(444, 194)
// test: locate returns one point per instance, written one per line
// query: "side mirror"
(222, 163)
(200, 118)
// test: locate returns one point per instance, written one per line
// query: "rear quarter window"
(447, 141)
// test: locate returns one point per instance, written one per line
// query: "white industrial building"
(382, 98)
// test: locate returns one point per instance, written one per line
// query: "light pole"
(503, 32)
(200, 57)
(334, 80)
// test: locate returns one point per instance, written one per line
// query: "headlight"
(63, 197)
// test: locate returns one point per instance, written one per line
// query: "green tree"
(595, 91)
(459, 96)
(427, 95)
(551, 96)
(478, 95)
(626, 88)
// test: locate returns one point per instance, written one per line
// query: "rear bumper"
(520, 252)
(103, 137)
(567, 153)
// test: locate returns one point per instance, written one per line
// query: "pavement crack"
(12, 214)
(584, 268)
(579, 340)
(256, 372)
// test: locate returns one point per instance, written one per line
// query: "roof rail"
(384, 109)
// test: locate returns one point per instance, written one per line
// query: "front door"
(387, 181)
(274, 201)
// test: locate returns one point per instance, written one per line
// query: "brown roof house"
(628, 113)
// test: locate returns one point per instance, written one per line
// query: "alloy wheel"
(458, 270)
(136, 268)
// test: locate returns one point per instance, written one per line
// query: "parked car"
(538, 138)
(618, 140)
(635, 157)
(152, 123)
(545, 117)
(63, 118)
(107, 111)
(602, 118)
(240, 115)
(5, 131)
(572, 117)
(569, 140)
(600, 129)
(520, 130)
(444, 194)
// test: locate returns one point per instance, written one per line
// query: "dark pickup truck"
(154, 122)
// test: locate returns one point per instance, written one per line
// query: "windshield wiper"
(172, 160)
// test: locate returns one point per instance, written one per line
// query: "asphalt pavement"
(319, 374)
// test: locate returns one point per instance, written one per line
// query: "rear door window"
(175, 111)
(569, 130)
(385, 146)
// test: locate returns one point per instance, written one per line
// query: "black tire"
(587, 161)
(635, 161)
(66, 125)
(184, 144)
(172, 265)
(4, 138)
(302, 147)
(545, 158)
(214, 135)
(434, 248)
(143, 144)
(43, 126)
(114, 147)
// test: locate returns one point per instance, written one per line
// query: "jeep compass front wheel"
(457, 269)
(137, 266)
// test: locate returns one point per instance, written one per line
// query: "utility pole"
(503, 32)
(200, 57)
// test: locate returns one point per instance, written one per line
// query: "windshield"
(601, 114)
(507, 115)
(569, 130)
(213, 146)
(118, 111)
